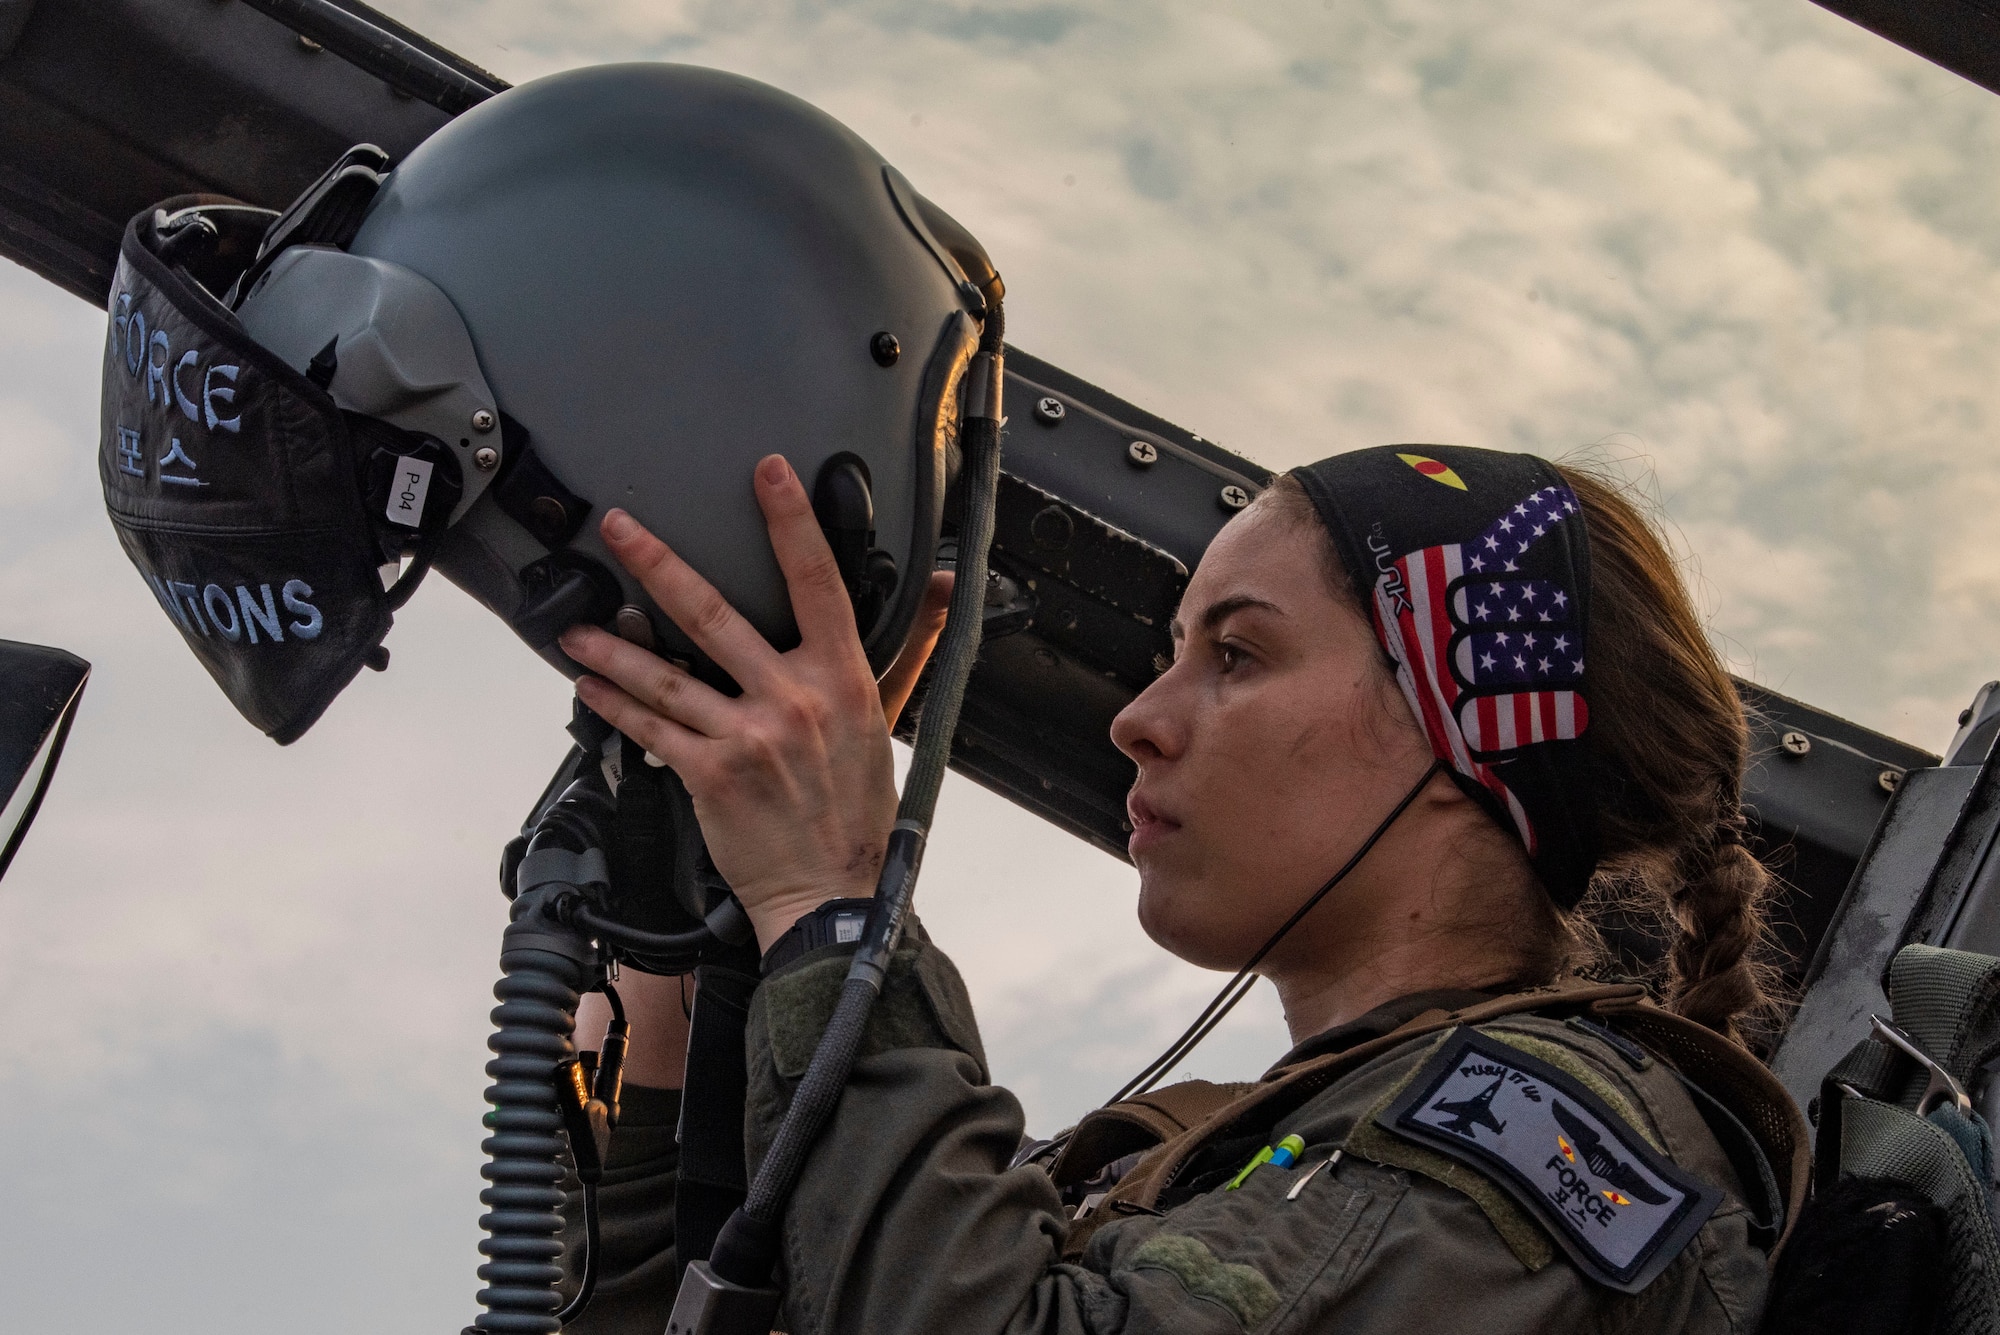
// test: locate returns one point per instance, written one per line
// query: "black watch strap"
(836, 922)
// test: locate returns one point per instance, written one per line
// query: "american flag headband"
(1490, 661)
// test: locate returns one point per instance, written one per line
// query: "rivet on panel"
(1052, 527)
(549, 515)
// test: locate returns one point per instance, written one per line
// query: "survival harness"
(1755, 1120)
(1899, 1232)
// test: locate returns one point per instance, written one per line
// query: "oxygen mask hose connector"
(607, 1081)
(587, 1088)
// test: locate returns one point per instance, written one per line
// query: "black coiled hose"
(543, 968)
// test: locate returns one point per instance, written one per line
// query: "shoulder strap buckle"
(1939, 1086)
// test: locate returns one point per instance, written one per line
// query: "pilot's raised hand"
(793, 780)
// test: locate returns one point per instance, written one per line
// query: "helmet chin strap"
(1239, 987)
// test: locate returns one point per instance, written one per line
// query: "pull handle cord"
(1239, 987)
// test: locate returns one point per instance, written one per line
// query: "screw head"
(1233, 497)
(1890, 779)
(1143, 453)
(1049, 410)
(884, 348)
(483, 419)
(999, 589)
(486, 458)
(634, 626)
(1795, 743)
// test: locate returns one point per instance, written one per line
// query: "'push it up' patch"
(1618, 1207)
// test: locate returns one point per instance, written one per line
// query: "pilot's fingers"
(651, 680)
(901, 678)
(819, 595)
(694, 604)
(678, 745)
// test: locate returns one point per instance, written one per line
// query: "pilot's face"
(1267, 752)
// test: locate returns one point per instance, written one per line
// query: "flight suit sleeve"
(907, 1220)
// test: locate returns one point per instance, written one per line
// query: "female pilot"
(1477, 673)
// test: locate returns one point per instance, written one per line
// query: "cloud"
(1748, 247)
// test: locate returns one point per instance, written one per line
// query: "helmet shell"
(668, 272)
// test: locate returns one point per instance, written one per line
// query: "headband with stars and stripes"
(1475, 569)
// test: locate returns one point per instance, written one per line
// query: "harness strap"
(712, 1179)
(1290, 1086)
(1732, 1075)
(1883, 1141)
(1949, 1002)
(1139, 1123)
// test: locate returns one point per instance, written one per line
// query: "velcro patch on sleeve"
(1618, 1207)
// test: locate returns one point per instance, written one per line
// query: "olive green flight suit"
(908, 1221)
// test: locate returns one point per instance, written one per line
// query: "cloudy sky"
(1743, 251)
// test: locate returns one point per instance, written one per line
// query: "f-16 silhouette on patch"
(1602, 1161)
(1465, 1115)
(1536, 1129)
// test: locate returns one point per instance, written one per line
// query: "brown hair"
(1676, 893)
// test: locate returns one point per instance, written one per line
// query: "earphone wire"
(1239, 986)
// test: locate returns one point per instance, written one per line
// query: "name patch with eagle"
(1618, 1207)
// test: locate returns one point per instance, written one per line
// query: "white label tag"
(406, 493)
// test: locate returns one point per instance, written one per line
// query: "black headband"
(1475, 569)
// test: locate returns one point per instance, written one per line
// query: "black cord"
(604, 1078)
(588, 1284)
(1239, 987)
(610, 991)
(420, 564)
(746, 1249)
(631, 938)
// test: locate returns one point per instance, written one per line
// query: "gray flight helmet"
(621, 286)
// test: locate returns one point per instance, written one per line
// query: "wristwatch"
(836, 922)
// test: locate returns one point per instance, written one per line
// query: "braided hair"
(1670, 741)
